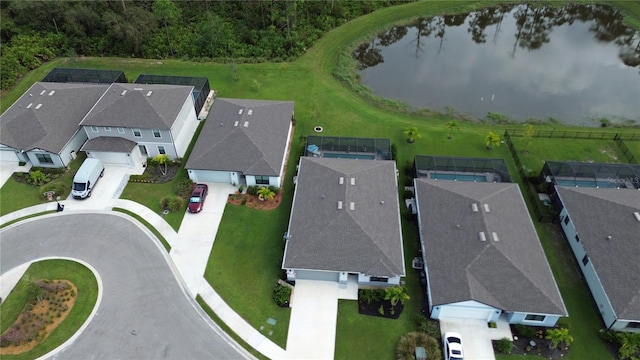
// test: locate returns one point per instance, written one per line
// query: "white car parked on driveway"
(452, 346)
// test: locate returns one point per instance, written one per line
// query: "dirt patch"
(610, 153)
(39, 319)
(254, 202)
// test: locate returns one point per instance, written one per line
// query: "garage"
(210, 176)
(317, 275)
(466, 310)
(112, 158)
(8, 155)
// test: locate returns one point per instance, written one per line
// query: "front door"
(143, 150)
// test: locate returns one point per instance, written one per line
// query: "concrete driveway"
(110, 186)
(144, 313)
(7, 168)
(476, 335)
(314, 315)
(196, 236)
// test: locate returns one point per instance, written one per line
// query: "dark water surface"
(576, 64)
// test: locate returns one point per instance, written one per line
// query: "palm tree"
(492, 140)
(395, 294)
(264, 193)
(452, 125)
(162, 159)
(558, 336)
(412, 134)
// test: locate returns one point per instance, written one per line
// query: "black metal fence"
(530, 193)
(569, 134)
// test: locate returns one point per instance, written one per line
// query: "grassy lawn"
(15, 195)
(246, 257)
(542, 149)
(78, 274)
(634, 147)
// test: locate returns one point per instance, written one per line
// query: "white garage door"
(211, 176)
(111, 157)
(466, 312)
(8, 155)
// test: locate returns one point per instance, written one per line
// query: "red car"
(196, 201)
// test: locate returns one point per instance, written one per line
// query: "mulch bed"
(154, 174)
(373, 309)
(252, 201)
(522, 346)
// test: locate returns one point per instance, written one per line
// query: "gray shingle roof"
(511, 274)
(53, 124)
(366, 240)
(135, 109)
(110, 144)
(226, 144)
(596, 214)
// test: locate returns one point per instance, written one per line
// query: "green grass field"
(246, 257)
(79, 275)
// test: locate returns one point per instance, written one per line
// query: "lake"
(576, 64)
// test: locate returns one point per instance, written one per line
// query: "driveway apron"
(109, 187)
(476, 335)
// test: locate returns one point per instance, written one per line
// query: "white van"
(86, 178)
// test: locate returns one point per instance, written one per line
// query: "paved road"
(144, 313)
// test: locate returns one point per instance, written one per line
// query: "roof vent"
(149, 93)
(352, 206)
(42, 92)
(250, 112)
(240, 111)
(29, 106)
(353, 181)
(236, 123)
(474, 207)
(38, 106)
(52, 92)
(486, 208)
(637, 215)
(495, 236)
(381, 202)
(341, 181)
(339, 205)
(246, 124)
(609, 237)
(482, 236)
(139, 89)
(123, 92)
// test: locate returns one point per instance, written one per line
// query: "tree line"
(33, 32)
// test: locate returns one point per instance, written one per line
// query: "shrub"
(59, 188)
(185, 187)
(244, 201)
(504, 345)
(408, 343)
(608, 336)
(274, 189)
(428, 326)
(492, 324)
(37, 177)
(371, 295)
(253, 190)
(381, 310)
(172, 203)
(240, 188)
(281, 295)
(525, 331)
(408, 194)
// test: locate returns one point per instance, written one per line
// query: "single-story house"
(41, 127)
(152, 119)
(345, 221)
(602, 226)
(482, 255)
(243, 142)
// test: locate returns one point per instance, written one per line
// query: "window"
(533, 317)
(157, 134)
(44, 158)
(577, 238)
(121, 130)
(262, 180)
(107, 128)
(161, 150)
(566, 220)
(137, 133)
(633, 325)
(94, 128)
(379, 279)
(585, 260)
